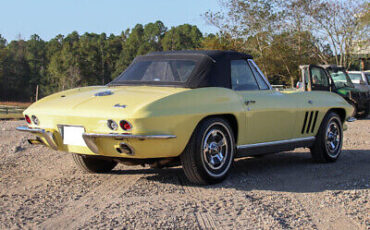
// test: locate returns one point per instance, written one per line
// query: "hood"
(98, 100)
(346, 90)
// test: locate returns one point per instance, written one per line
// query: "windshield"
(355, 77)
(368, 77)
(156, 72)
(340, 79)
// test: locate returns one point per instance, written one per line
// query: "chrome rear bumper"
(127, 136)
(89, 138)
(45, 134)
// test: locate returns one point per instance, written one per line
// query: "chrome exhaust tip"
(36, 141)
(125, 148)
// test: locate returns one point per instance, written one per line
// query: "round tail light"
(28, 119)
(125, 125)
(35, 120)
(112, 125)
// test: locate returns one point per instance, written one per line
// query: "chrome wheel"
(329, 139)
(215, 149)
(209, 153)
(333, 138)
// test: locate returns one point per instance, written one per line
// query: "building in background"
(361, 53)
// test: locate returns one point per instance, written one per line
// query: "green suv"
(335, 79)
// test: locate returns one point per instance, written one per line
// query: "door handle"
(310, 102)
(249, 102)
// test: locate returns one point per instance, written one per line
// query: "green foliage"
(182, 37)
(76, 60)
(281, 35)
(2, 42)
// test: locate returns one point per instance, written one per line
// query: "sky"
(47, 18)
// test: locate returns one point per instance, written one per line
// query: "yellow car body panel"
(158, 110)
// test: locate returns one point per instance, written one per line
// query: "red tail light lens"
(28, 119)
(125, 125)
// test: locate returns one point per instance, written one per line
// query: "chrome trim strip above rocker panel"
(289, 141)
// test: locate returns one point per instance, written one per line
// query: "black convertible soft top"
(212, 68)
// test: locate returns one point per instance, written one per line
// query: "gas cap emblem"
(104, 93)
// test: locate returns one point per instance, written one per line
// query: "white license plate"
(72, 135)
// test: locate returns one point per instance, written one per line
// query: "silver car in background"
(360, 79)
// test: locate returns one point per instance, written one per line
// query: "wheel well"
(229, 118)
(341, 112)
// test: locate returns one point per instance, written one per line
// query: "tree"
(16, 72)
(37, 61)
(296, 31)
(2, 42)
(337, 24)
(254, 21)
(139, 41)
(182, 37)
(286, 52)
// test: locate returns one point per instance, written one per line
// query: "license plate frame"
(72, 135)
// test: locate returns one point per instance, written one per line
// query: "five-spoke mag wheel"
(333, 138)
(215, 149)
(210, 152)
(329, 140)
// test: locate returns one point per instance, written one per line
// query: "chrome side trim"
(46, 134)
(351, 119)
(126, 136)
(263, 144)
(260, 72)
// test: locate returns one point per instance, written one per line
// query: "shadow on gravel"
(288, 172)
(364, 118)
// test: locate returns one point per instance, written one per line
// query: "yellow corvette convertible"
(200, 109)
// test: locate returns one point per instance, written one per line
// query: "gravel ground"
(41, 188)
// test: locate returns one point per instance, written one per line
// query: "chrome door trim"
(260, 72)
(288, 141)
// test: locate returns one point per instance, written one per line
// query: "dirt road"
(41, 188)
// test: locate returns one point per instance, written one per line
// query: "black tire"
(211, 165)
(93, 164)
(365, 114)
(330, 134)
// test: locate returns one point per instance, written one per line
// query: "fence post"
(37, 92)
